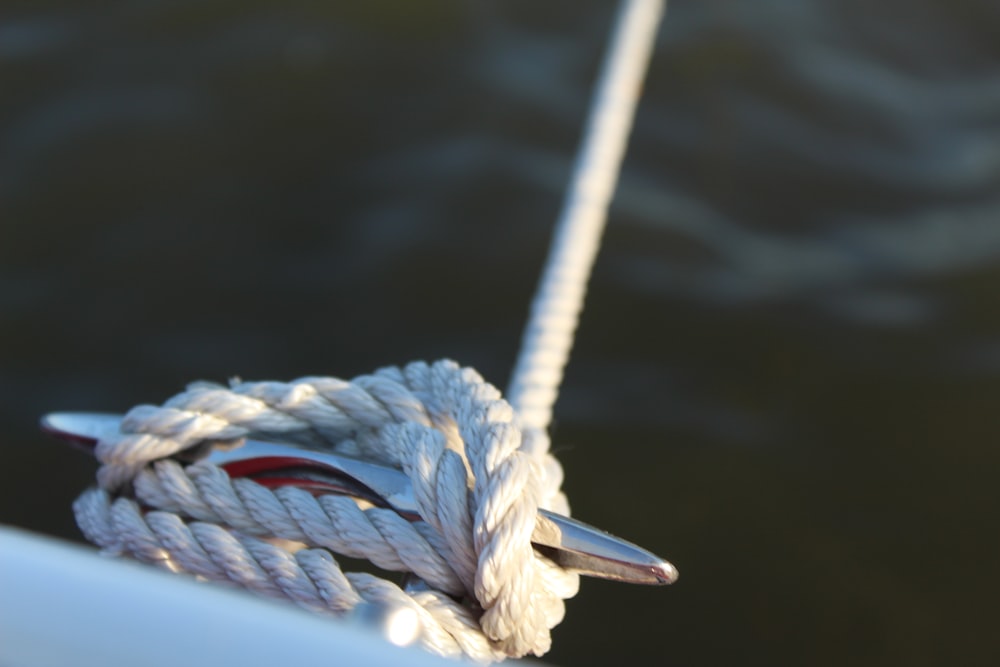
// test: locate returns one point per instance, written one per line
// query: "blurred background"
(787, 376)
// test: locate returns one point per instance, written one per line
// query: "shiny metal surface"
(571, 543)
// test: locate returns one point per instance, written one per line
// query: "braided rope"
(444, 426)
(555, 310)
(480, 468)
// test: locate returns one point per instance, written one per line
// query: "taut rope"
(480, 466)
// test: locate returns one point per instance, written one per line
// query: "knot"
(479, 479)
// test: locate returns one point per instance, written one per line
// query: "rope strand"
(555, 310)
(480, 466)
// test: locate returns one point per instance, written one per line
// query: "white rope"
(450, 431)
(480, 467)
(555, 311)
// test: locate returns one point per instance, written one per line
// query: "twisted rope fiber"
(450, 431)
(555, 309)
(479, 465)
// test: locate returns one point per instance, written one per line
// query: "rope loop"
(479, 479)
(480, 468)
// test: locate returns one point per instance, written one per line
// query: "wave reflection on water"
(786, 375)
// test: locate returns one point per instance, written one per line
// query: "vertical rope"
(555, 311)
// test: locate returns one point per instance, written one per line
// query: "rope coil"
(480, 466)
(452, 433)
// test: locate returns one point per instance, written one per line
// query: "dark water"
(787, 378)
